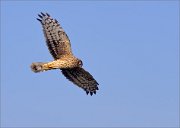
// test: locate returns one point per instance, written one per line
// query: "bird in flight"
(59, 46)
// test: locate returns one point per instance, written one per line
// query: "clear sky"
(131, 48)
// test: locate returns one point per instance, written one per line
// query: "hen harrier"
(60, 48)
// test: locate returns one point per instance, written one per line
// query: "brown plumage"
(60, 48)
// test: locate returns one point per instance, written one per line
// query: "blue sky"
(131, 48)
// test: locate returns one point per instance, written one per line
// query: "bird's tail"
(37, 67)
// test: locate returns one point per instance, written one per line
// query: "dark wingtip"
(47, 14)
(43, 14)
(91, 93)
(40, 16)
(39, 20)
(56, 21)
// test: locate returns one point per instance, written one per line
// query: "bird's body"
(64, 62)
(60, 48)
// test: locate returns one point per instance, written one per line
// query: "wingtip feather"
(43, 14)
(47, 14)
(40, 16)
(39, 19)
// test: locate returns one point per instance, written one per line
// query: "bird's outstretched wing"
(81, 78)
(57, 40)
